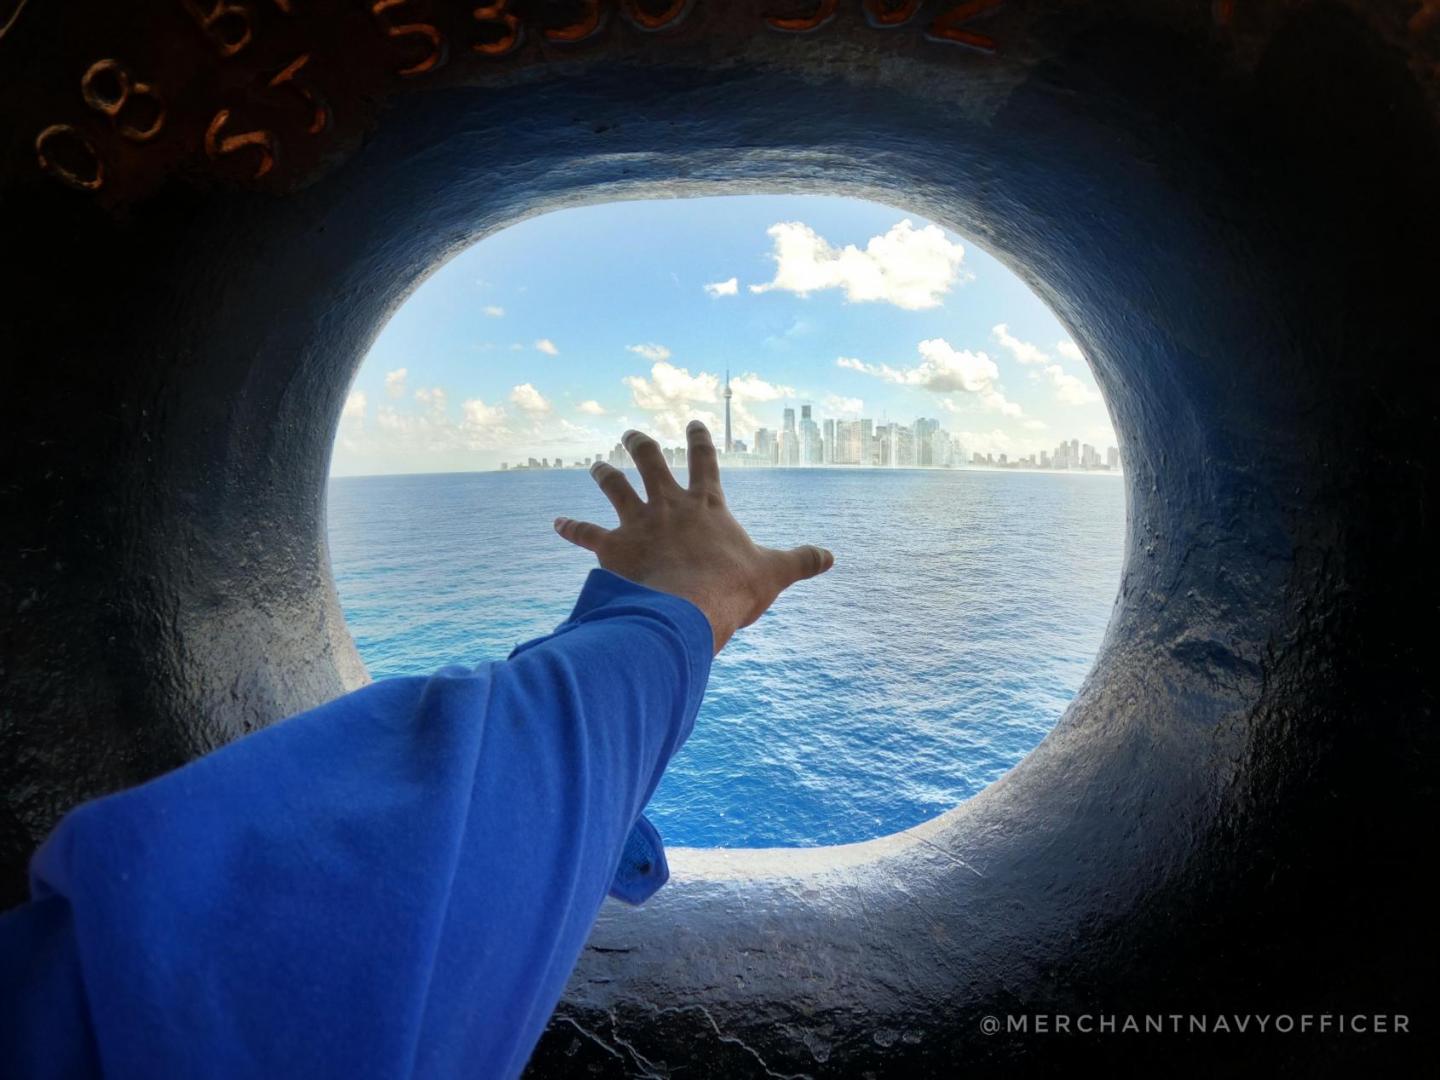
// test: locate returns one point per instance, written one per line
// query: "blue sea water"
(963, 611)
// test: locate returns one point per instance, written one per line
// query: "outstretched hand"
(685, 541)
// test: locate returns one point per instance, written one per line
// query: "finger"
(581, 533)
(704, 462)
(617, 489)
(645, 452)
(806, 561)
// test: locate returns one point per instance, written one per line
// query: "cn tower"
(729, 446)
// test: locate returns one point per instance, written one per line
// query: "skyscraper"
(789, 441)
(924, 430)
(765, 445)
(809, 438)
(729, 445)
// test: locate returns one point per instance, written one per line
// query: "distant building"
(765, 445)
(924, 431)
(810, 445)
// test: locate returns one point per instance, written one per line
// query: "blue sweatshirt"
(395, 884)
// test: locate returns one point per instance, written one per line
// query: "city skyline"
(550, 338)
(856, 442)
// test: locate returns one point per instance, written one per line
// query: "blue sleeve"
(397, 883)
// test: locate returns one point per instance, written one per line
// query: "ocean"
(963, 611)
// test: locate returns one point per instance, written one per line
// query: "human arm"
(396, 883)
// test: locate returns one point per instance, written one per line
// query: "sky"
(552, 337)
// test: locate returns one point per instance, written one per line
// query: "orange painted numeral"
(587, 25)
(511, 32)
(887, 14)
(319, 109)
(655, 20)
(823, 13)
(228, 24)
(84, 170)
(109, 88)
(16, 7)
(218, 145)
(435, 41)
(949, 25)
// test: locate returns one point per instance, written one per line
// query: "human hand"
(685, 541)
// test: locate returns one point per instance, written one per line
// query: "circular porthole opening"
(892, 392)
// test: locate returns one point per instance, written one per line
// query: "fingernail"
(560, 523)
(693, 425)
(629, 435)
(827, 558)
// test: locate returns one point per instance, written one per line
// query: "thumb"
(806, 561)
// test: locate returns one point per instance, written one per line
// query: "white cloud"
(591, 407)
(354, 406)
(1068, 389)
(1102, 435)
(673, 397)
(430, 430)
(547, 346)
(528, 398)
(477, 416)
(652, 352)
(908, 267)
(669, 385)
(944, 369)
(495, 311)
(1022, 351)
(751, 387)
(728, 287)
(395, 382)
(1035, 425)
(842, 406)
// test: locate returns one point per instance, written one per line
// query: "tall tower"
(728, 444)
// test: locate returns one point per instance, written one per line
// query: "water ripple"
(963, 612)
